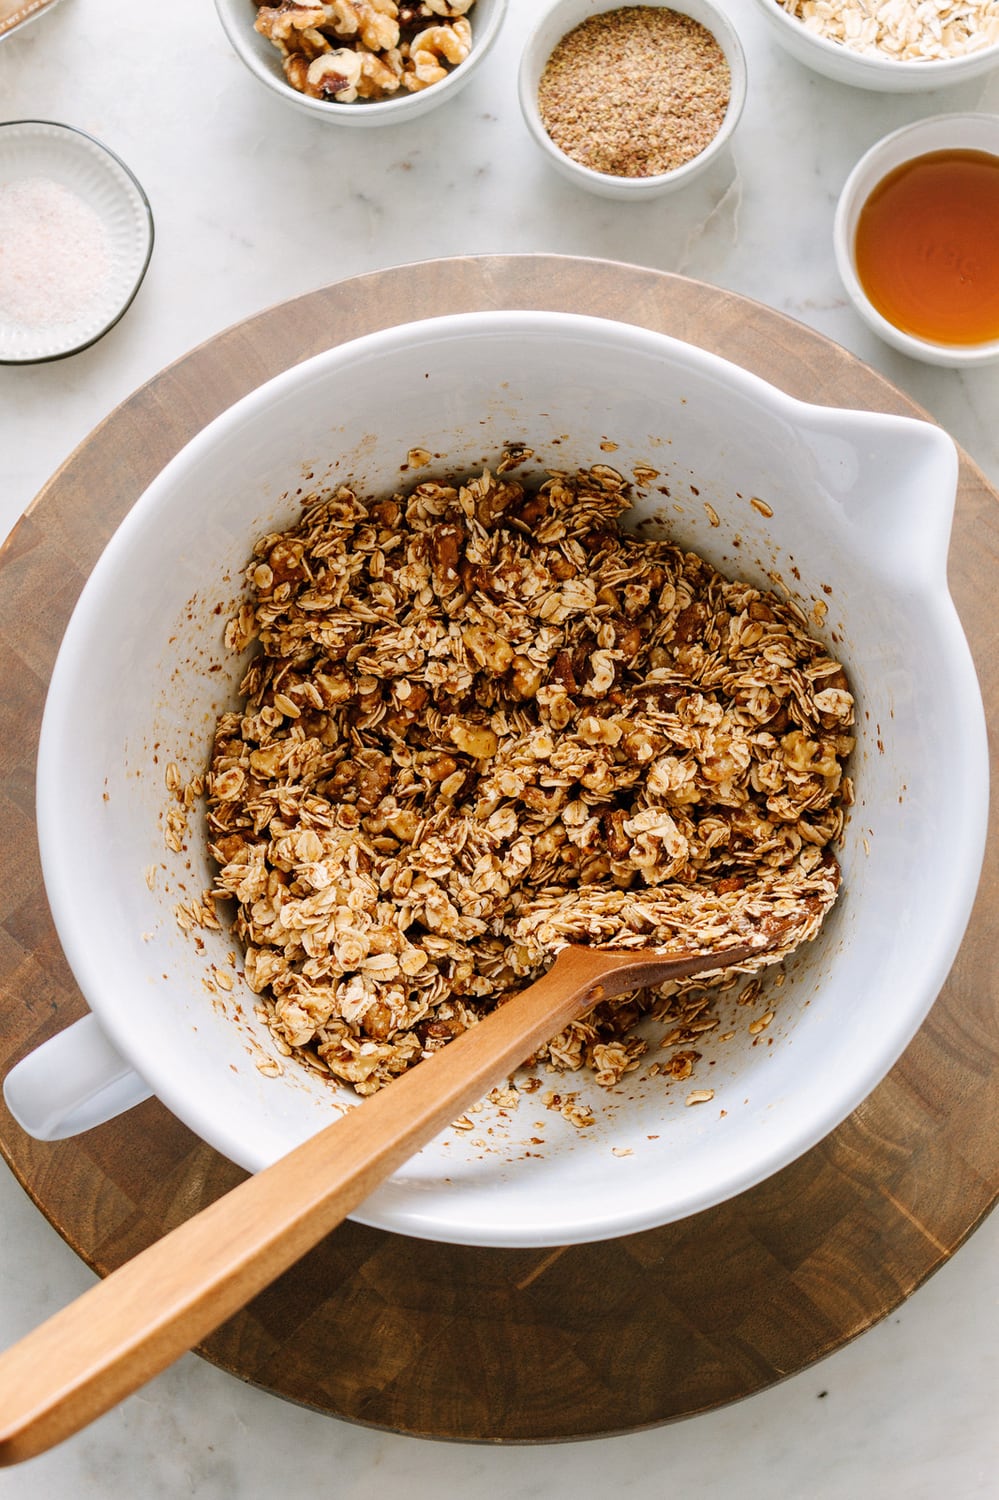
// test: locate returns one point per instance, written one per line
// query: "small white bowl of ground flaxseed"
(631, 101)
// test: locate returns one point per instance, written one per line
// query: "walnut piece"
(433, 51)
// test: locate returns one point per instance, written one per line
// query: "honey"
(927, 247)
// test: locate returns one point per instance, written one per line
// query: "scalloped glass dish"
(61, 154)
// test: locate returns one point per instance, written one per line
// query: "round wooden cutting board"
(509, 1345)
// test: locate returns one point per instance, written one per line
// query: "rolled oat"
(904, 30)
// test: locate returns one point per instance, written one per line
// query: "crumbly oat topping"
(483, 722)
(906, 30)
(635, 92)
(345, 50)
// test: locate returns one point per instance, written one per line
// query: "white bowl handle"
(72, 1082)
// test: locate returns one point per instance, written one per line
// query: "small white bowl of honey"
(916, 237)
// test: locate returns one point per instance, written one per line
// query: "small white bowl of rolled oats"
(598, 639)
(363, 62)
(632, 101)
(892, 46)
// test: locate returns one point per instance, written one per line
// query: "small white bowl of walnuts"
(363, 62)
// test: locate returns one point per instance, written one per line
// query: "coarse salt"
(55, 256)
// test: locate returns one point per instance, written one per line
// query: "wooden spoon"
(130, 1326)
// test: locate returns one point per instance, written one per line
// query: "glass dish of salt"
(76, 234)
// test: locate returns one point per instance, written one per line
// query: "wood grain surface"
(509, 1345)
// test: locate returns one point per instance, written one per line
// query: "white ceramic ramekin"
(848, 511)
(561, 18)
(871, 70)
(936, 133)
(263, 60)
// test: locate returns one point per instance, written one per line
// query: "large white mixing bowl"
(859, 509)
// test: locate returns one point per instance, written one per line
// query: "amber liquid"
(927, 247)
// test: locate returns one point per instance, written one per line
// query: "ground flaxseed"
(635, 92)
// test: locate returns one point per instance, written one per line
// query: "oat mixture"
(907, 30)
(481, 722)
(635, 92)
(344, 50)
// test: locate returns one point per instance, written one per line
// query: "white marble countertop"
(254, 203)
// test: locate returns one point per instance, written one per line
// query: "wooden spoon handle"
(130, 1326)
